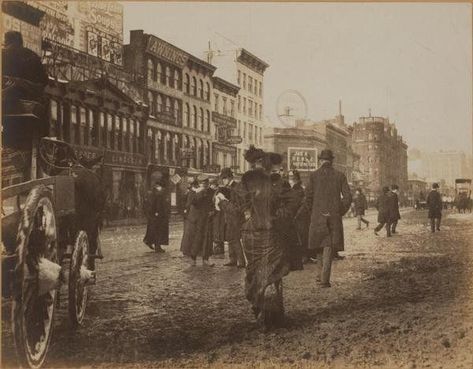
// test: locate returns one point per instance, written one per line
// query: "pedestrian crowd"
(271, 224)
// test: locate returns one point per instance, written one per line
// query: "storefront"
(98, 119)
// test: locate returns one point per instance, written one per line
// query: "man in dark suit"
(233, 221)
(385, 214)
(328, 199)
(434, 203)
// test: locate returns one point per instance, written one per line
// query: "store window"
(75, 126)
(83, 125)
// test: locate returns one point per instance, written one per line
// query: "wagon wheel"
(32, 313)
(77, 283)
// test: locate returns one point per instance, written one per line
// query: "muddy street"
(403, 302)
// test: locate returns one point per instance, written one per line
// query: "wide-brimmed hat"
(226, 173)
(252, 155)
(326, 154)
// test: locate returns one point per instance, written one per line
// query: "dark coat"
(383, 206)
(199, 223)
(186, 241)
(434, 203)
(157, 229)
(360, 204)
(233, 219)
(394, 207)
(327, 208)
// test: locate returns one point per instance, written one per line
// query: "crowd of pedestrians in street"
(271, 224)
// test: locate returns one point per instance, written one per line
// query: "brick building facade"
(383, 154)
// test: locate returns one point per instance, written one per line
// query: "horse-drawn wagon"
(463, 199)
(50, 218)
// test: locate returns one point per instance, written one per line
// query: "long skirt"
(267, 264)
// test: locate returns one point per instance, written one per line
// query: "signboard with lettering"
(106, 16)
(224, 148)
(301, 158)
(166, 51)
(223, 120)
(111, 157)
(234, 140)
(31, 34)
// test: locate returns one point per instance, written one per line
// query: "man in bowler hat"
(328, 199)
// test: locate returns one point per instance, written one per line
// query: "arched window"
(201, 119)
(207, 121)
(168, 105)
(194, 86)
(159, 107)
(151, 103)
(159, 69)
(194, 117)
(201, 89)
(151, 69)
(186, 115)
(186, 84)
(168, 76)
(177, 79)
(207, 91)
(176, 109)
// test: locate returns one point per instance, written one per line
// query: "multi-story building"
(178, 91)
(224, 123)
(383, 154)
(242, 68)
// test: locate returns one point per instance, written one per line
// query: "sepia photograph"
(266, 185)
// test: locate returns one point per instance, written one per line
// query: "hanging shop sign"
(302, 159)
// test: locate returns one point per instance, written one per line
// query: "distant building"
(445, 165)
(245, 70)
(224, 127)
(383, 154)
(299, 147)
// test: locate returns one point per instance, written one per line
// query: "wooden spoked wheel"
(33, 313)
(77, 283)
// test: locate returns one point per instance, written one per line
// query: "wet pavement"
(403, 302)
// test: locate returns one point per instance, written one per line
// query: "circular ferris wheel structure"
(290, 107)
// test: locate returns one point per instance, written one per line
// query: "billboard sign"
(166, 51)
(302, 158)
(31, 34)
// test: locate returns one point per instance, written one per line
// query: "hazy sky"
(411, 62)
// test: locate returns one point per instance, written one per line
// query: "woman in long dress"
(263, 248)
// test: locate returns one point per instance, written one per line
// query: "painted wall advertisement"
(31, 34)
(301, 158)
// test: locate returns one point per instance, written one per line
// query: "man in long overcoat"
(157, 212)
(202, 207)
(395, 207)
(434, 203)
(385, 213)
(328, 197)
